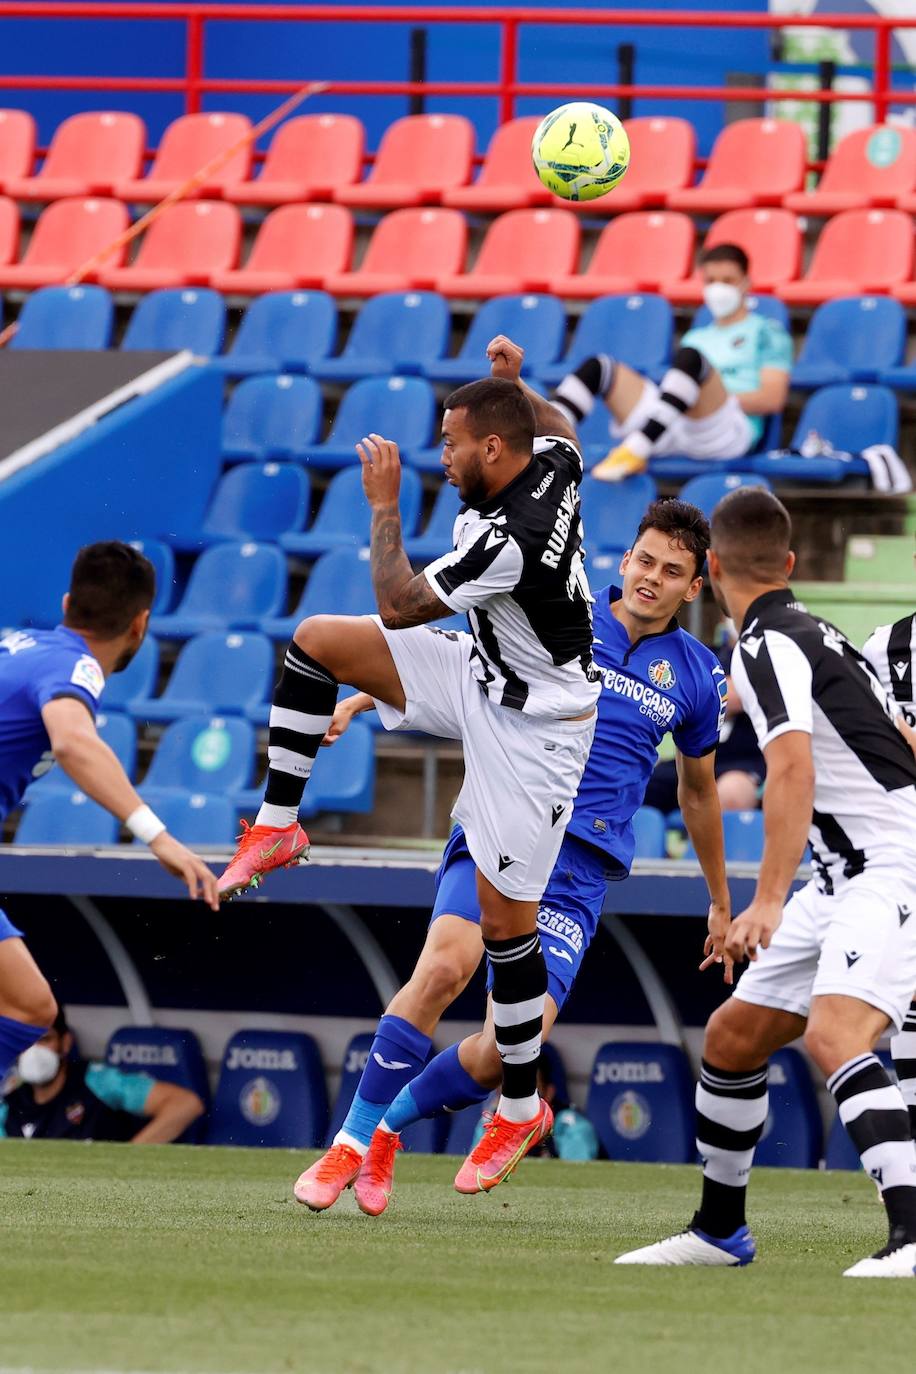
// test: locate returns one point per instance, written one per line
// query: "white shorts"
(859, 943)
(521, 773)
(726, 433)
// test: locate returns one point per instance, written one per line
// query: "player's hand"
(753, 930)
(381, 470)
(718, 924)
(505, 358)
(343, 714)
(181, 863)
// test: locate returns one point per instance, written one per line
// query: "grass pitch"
(171, 1259)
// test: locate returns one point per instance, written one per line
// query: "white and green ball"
(580, 151)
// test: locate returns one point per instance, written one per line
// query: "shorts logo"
(852, 958)
(260, 1102)
(630, 1115)
(504, 862)
(560, 953)
(662, 674)
(904, 913)
(556, 812)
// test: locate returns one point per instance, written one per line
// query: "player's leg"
(27, 1005)
(903, 1052)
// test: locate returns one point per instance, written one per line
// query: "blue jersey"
(36, 666)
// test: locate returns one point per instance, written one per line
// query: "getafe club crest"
(662, 674)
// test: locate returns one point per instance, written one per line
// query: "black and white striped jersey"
(793, 671)
(891, 651)
(517, 570)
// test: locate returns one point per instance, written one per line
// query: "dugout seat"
(402, 408)
(296, 246)
(743, 835)
(643, 251)
(211, 754)
(521, 251)
(198, 819)
(753, 162)
(215, 674)
(17, 145)
(649, 832)
(172, 1056)
(869, 167)
(409, 250)
(271, 418)
(188, 145)
(163, 560)
(340, 583)
(793, 1135)
(394, 332)
(283, 331)
(636, 329)
(505, 181)
(853, 339)
(707, 490)
(9, 230)
(640, 1101)
(170, 320)
(426, 1136)
(849, 419)
(420, 157)
(344, 779)
(436, 536)
(137, 680)
(536, 323)
(253, 501)
(309, 158)
(59, 818)
(71, 317)
(89, 154)
(858, 251)
(117, 731)
(271, 1092)
(772, 240)
(344, 516)
(188, 244)
(612, 511)
(231, 587)
(67, 234)
(662, 154)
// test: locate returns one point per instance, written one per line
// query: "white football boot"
(896, 1261)
(696, 1247)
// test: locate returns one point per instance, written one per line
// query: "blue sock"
(397, 1055)
(16, 1036)
(443, 1084)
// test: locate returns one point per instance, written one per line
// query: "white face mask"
(722, 299)
(38, 1065)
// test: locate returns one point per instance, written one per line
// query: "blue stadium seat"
(769, 306)
(637, 329)
(176, 318)
(340, 583)
(215, 674)
(270, 418)
(425, 1137)
(66, 317)
(401, 408)
(793, 1134)
(163, 561)
(397, 332)
(118, 732)
(137, 680)
(258, 501)
(851, 339)
(640, 1102)
(850, 418)
(172, 1056)
(66, 818)
(743, 833)
(436, 538)
(649, 829)
(343, 778)
(611, 511)
(231, 587)
(595, 435)
(707, 490)
(344, 518)
(271, 1092)
(203, 754)
(197, 819)
(537, 323)
(282, 331)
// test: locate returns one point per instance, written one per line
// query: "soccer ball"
(580, 151)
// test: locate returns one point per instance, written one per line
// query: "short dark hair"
(685, 523)
(109, 584)
(496, 406)
(752, 533)
(726, 252)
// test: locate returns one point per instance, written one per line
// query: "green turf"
(168, 1259)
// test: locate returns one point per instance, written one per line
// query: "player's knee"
(311, 635)
(480, 1058)
(692, 362)
(831, 1045)
(441, 981)
(36, 1004)
(728, 1043)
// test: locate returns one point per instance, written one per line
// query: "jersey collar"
(494, 502)
(779, 596)
(614, 594)
(72, 634)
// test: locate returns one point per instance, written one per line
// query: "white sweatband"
(144, 824)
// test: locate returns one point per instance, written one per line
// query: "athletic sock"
(679, 391)
(874, 1113)
(444, 1085)
(519, 990)
(903, 1049)
(397, 1055)
(731, 1114)
(303, 705)
(578, 391)
(16, 1036)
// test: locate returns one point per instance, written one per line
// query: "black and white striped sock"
(577, 393)
(303, 704)
(519, 989)
(679, 391)
(903, 1050)
(731, 1114)
(874, 1113)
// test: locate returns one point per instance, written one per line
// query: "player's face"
(463, 457)
(659, 575)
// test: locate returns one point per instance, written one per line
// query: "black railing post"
(417, 102)
(626, 65)
(826, 72)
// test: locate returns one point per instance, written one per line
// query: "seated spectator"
(61, 1097)
(724, 378)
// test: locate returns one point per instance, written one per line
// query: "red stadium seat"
(645, 251)
(662, 153)
(419, 158)
(309, 158)
(297, 245)
(88, 154)
(188, 144)
(772, 240)
(410, 249)
(67, 234)
(859, 252)
(187, 245)
(507, 179)
(17, 145)
(521, 251)
(870, 167)
(9, 231)
(753, 162)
